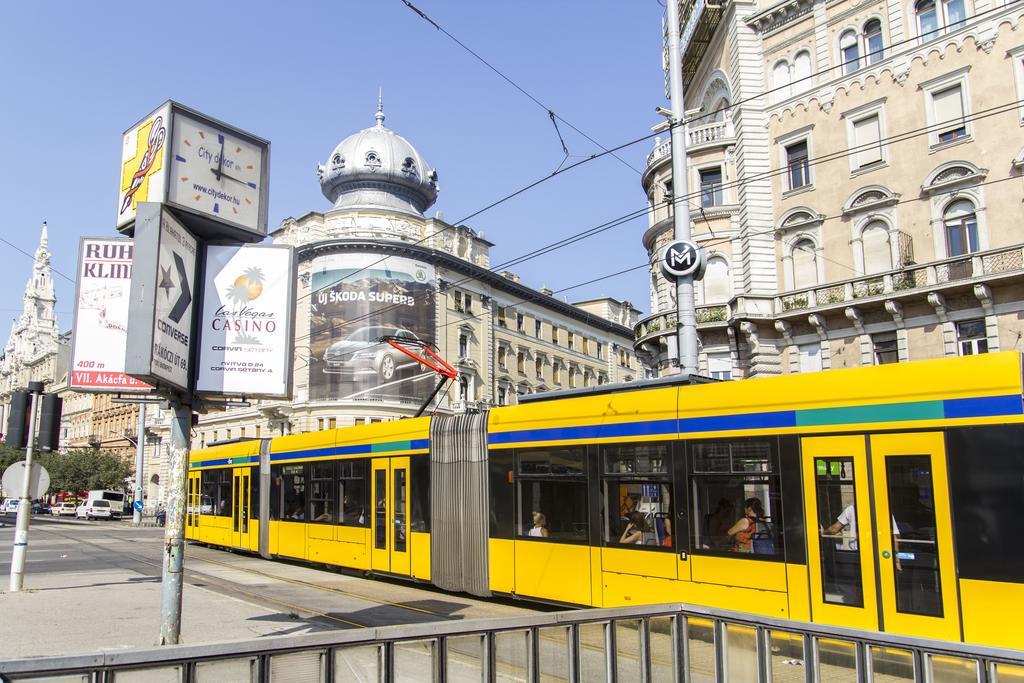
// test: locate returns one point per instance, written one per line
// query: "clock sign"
(213, 175)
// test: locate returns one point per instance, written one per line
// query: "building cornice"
(453, 263)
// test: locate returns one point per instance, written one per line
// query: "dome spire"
(380, 108)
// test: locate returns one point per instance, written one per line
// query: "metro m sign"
(681, 258)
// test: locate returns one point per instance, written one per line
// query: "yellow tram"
(886, 498)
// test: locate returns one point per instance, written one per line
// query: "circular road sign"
(138, 505)
(680, 258)
(14, 479)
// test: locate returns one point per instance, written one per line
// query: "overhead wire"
(675, 199)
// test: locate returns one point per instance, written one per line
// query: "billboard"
(355, 301)
(100, 331)
(245, 348)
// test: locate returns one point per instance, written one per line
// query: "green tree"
(84, 470)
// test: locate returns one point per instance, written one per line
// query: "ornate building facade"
(373, 265)
(35, 350)
(855, 178)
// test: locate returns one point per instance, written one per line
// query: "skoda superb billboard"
(355, 302)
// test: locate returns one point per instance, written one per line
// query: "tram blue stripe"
(646, 428)
(723, 423)
(984, 406)
(242, 460)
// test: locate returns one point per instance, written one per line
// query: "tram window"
(835, 491)
(552, 491)
(502, 490)
(916, 556)
(419, 495)
(254, 493)
(736, 485)
(321, 492)
(987, 478)
(352, 488)
(637, 504)
(288, 492)
(216, 485)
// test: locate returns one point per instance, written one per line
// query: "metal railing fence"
(669, 642)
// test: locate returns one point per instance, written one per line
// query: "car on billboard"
(362, 353)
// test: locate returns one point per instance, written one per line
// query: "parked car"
(66, 508)
(10, 506)
(95, 509)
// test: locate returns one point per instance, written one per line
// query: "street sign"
(14, 479)
(138, 505)
(681, 258)
(101, 317)
(247, 312)
(160, 312)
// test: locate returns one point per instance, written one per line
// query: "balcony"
(698, 137)
(936, 275)
(664, 323)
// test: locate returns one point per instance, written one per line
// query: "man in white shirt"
(847, 523)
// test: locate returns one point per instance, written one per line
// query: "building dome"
(378, 169)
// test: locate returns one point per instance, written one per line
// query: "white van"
(115, 501)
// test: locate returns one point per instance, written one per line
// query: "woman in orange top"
(746, 526)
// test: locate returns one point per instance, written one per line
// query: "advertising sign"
(356, 301)
(245, 346)
(160, 310)
(144, 164)
(100, 331)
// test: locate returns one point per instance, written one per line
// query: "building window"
(736, 497)
(554, 335)
(520, 322)
(805, 264)
(464, 388)
(586, 346)
(469, 303)
(521, 363)
(502, 396)
(797, 161)
(809, 357)
(961, 225)
(601, 379)
(873, 41)
(536, 328)
(556, 371)
(552, 487)
(711, 187)
(501, 317)
(781, 81)
(463, 346)
(636, 487)
(569, 341)
(867, 138)
(586, 378)
(258, 430)
(971, 336)
(877, 253)
(886, 351)
(457, 295)
(716, 285)
(949, 114)
(538, 365)
(572, 378)
(502, 357)
(849, 51)
(228, 437)
(720, 365)
(802, 76)
(600, 351)
(933, 17)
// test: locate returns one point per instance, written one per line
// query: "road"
(77, 571)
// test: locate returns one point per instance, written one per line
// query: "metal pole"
(686, 314)
(174, 535)
(140, 456)
(24, 505)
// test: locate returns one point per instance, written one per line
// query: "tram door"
(390, 522)
(880, 551)
(241, 507)
(192, 506)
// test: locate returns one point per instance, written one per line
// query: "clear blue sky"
(305, 75)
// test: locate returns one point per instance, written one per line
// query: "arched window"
(780, 81)
(875, 51)
(805, 264)
(961, 228)
(849, 52)
(717, 289)
(802, 71)
(934, 16)
(875, 242)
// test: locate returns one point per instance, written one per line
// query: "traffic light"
(17, 420)
(49, 422)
